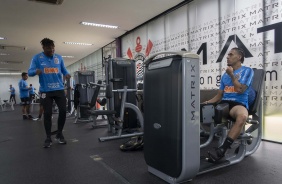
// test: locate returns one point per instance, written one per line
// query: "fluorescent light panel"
(99, 25)
(4, 54)
(68, 56)
(10, 73)
(2, 38)
(9, 70)
(75, 43)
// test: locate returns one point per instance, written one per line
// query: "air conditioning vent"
(55, 2)
(9, 70)
(11, 62)
(12, 47)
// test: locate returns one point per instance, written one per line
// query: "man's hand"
(68, 76)
(38, 71)
(229, 71)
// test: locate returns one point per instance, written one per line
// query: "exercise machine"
(172, 119)
(6, 105)
(86, 93)
(69, 87)
(124, 117)
(121, 72)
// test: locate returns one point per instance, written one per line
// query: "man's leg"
(12, 98)
(239, 113)
(28, 108)
(60, 100)
(47, 105)
(24, 111)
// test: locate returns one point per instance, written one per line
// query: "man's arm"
(216, 98)
(32, 68)
(64, 70)
(239, 87)
(23, 87)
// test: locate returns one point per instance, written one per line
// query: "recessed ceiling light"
(99, 25)
(75, 43)
(68, 56)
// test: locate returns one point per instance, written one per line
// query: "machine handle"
(96, 84)
(123, 90)
(180, 53)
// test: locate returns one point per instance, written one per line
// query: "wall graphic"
(210, 29)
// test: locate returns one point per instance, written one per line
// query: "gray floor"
(84, 160)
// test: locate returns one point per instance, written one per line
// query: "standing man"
(24, 95)
(50, 68)
(13, 94)
(235, 89)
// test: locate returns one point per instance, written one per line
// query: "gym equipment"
(172, 116)
(119, 109)
(115, 124)
(121, 72)
(91, 107)
(71, 112)
(133, 144)
(7, 106)
(217, 117)
(83, 77)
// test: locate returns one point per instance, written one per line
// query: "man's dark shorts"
(231, 103)
(25, 101)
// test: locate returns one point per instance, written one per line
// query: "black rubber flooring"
(85, 160)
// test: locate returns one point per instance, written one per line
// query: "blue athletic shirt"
(13, 91)
(23, 89)
(52, 70)
(31, 91)
(245, 76)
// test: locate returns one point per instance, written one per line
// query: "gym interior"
(135, 104)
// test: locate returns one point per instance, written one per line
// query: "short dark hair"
(24, 73)
(47, 42)
(241, 52)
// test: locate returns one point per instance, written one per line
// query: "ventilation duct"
(9, 70)
(55, 2)
(11, 62)
(11, 47)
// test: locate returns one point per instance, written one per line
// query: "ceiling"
(24, 23)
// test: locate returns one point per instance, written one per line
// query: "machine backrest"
(95, 94)
(258, 84)
(109, 91)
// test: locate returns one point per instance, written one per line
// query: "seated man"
(234, 89)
